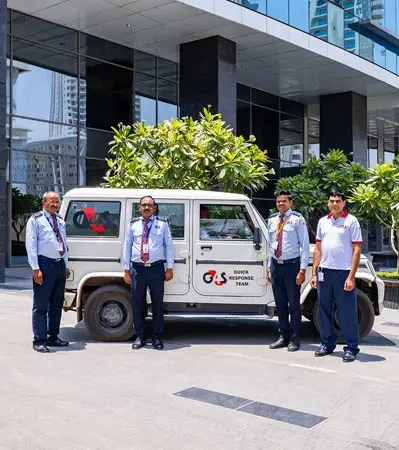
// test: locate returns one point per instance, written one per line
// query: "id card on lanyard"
(60, 245)
(279, 230)
(146, 247)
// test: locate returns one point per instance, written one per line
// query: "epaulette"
(134, 219)
(59, 215)
(162, 219)
(273, 215)
(38, 214)
(296, 213)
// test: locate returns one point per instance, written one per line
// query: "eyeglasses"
(147, 205)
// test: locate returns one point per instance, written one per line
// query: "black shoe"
(57, 343)
(41, 348)
(157, 343)
(293, 346)
(322, 351)
(348, 356)
(138, 343)
(280, 343)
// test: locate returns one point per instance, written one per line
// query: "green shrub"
(388, 275)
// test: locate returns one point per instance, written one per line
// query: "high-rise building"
(303, 76)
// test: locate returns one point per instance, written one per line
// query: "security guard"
(148, 243)
(288, 259)
(48, 257)
(335, 262)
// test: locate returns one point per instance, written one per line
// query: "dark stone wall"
(3, 159)
(208, 77)
(343, 125)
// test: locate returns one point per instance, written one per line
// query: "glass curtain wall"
(65, 89)
(278, 125)
(336, 21)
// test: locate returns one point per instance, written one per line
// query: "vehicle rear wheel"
(365, 313)
(108, 314)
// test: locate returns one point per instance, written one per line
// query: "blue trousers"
(48, 299)
(152, 278)
(287, 297)
(331, 292)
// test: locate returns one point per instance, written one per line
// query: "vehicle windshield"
(259, 215)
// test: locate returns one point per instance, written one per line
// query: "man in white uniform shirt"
(335, 261)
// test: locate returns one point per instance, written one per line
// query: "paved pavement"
(97, 395)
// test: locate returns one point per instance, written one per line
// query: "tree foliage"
(378, 199)
(318, 177)
(185, 154)
(22, 206)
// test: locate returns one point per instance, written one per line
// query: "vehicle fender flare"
(87, 277)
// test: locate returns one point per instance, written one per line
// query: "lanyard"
(280, 226)
(146, 236)
(52, 225)
(57, 235)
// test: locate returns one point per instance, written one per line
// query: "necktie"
(279, 233)
(144, 254)
(58, 234)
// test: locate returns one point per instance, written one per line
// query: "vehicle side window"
(218, 222)
(174, 212)
(93, 218)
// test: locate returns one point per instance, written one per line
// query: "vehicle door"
(178, 214)
(225, 259)
(94, 230)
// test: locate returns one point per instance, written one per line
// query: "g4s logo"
(212, 276)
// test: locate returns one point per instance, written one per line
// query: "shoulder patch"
(162, 219)
(134, 219)
(296, 213)
(38, 214)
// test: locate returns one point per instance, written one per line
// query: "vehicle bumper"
(381, 293)
(69, 300)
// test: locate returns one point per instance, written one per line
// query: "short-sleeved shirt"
(336, 238)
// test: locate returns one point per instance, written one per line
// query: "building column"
(3, 158)
(208, 77)
(343, 125)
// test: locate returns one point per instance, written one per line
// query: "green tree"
(22, 206)
(378, 199)
(185, 154)
(318, 177)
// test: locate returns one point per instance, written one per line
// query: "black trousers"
(287, 297)
(152, 278)
(48, 299)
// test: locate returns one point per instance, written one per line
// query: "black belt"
(140, 264)
(287, 261)
(50, 259)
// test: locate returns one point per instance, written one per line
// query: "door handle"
(206, 247)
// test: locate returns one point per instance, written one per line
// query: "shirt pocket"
(137, 237)
(289, 227)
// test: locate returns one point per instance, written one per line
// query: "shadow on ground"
(187, 332)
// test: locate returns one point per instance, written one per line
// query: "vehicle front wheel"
(108, 314)
(365, 314)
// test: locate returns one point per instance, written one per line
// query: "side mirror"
(257, 238)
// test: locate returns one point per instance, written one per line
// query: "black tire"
(365, 312)
(108, 314)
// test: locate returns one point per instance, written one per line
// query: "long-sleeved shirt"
(42, 240)
(159, 242)
(295, 239)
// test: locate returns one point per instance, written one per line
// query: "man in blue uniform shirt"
(148, 243)
(288, 259)
(48, 257)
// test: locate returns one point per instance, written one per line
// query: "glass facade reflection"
(339, 23)
(65, 89)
